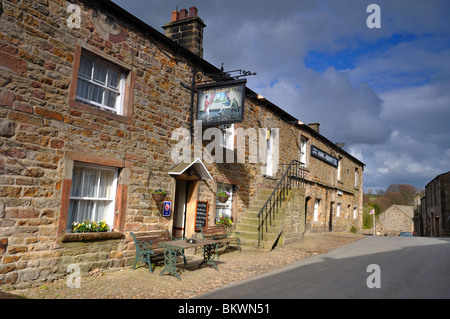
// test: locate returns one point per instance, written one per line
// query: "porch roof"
(197, 165)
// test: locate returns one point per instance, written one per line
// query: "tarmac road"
(395, 267)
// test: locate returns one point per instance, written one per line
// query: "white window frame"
(224, 207)
(338, 210)
(355, 212)
(339, 168)
(110, 214)
(227, 140)
(303, 150)
(120, 90)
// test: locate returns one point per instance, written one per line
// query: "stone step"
(256, 209)
(248, 235)
(249, 222)
(254, 227)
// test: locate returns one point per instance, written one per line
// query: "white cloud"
(347, 113)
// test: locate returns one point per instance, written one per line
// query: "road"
(405, 267)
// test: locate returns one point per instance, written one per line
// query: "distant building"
(432, 212)
(396, 219)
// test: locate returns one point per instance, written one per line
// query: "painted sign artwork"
(221, 103)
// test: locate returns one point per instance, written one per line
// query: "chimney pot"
(193, 11)
(175, 16)
(183, 14)
(186, 31)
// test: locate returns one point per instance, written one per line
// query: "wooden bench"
(147, 245)
(219, 232)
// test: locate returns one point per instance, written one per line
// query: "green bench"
(219, 232)
(147, 245)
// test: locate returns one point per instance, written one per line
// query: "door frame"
(192, 191)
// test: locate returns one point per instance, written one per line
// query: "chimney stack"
(186, 29)
(315, 126)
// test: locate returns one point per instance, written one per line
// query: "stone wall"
(44, 131)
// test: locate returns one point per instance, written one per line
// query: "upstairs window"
(228, 136)
(339, 168)
(303, 148)
(100, 84)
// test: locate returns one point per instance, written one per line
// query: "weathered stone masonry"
(45, 132)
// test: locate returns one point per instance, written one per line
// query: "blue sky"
(384, 92)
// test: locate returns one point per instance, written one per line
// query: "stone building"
(90, 98)
(334, 183)
(396, 219)
(432, 211)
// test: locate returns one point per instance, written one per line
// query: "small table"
(175, 247)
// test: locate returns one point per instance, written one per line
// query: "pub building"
(99, 110)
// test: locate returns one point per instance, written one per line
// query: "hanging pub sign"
(324, 156)
(221, 103)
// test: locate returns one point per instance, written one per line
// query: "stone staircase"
(284, 228)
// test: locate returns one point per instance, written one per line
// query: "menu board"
(201, 215)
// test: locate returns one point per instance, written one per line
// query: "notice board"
(201, 215)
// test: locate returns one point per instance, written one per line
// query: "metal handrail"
(293, 175)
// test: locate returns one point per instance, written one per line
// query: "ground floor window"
(92, 195)
(316, 210)
(224, 209)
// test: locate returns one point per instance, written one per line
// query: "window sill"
(95, 110)
(74, 237)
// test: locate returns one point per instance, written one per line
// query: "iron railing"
(293, 175)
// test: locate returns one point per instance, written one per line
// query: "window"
(356, 178)
(303, 148)
(100, 84)
(339, 168)
(228, 136)
(224, 209)
(338, 210)
(92, 195)
(355, 212)
(316, 210)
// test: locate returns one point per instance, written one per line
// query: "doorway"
(306, 211)
(180, 209)
(186, 196)
(330, 221)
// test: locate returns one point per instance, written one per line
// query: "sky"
(384, 92)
